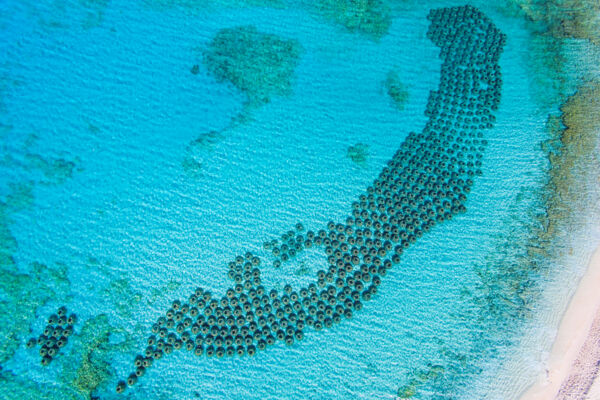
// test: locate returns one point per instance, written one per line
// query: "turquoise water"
(135, 177)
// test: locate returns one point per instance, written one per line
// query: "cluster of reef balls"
(292, 243)
(425, 183)
(55, 335)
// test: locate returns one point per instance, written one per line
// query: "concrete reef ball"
(54, 336)
(425, 183)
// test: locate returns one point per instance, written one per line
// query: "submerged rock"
(195, 4)
(89, 363)
(577, 145)
(8, 243)
(371, 18)
(56, 171)
(359, 153)
(565, 18)
(420, 378)
(198, 150)
(396, 89)
(22, 294)
(554, 24)
(124, 299)
(259, 64)
(22, 388)
(158, 293)
(19, 198)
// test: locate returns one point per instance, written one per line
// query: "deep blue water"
(108, 87)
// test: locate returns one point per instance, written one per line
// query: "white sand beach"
(572, 368)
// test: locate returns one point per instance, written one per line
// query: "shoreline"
(571, 369)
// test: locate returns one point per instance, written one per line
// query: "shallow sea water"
(98, 106)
